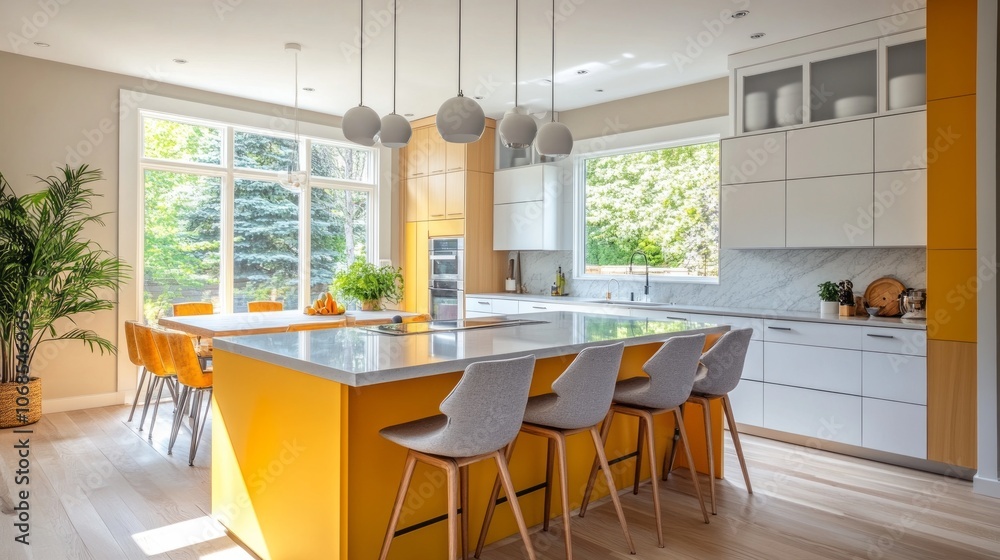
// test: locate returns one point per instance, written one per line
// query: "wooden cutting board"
(884, 293)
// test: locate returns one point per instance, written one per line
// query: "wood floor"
(100, 490)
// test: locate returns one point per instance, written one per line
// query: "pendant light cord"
(553, 92)
(395, 5)
(460, 48)
(361, 45)
(517, 20)
(296, 110)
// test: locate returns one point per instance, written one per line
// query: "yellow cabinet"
(455, 194)
(421, 282)
(456, 157)
(436, 199)
(416, 199)
(437, 151)
(417, 153)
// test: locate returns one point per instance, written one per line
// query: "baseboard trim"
(66, 404)
(986, 486)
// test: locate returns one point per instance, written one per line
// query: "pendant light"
(517, 129)
(460, 120)
(361, 123)
(294, 178)
(554, 138)
(396, 130)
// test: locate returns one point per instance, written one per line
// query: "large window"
(663, 202)
(219, 227)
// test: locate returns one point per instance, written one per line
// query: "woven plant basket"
(8, 403)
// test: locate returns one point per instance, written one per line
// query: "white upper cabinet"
(901, 142)
(753, 215)
(752, 159)
(830, 212)
(523, 184)
(836, 149)
(530, 212)
(900, 208)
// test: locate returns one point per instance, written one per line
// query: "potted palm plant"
(829, 298)
(369, 285)
(50, 273)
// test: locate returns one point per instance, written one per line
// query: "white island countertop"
(358, 357)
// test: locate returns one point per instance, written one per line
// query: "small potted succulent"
(829, 298)
(846, 298)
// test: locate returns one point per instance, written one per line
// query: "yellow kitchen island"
(300, 472)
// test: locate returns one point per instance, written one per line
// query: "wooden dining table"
(237, 324)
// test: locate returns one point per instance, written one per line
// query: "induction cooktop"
(449, 325)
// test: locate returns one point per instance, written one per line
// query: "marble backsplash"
(782, 279)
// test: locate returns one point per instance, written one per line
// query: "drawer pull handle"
(781, 328)
(881, 335)
(538, 307)
(677, 318)
(483, 302)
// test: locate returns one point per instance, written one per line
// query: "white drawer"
(479, 304)
(815, 334)
(826, 369)
(662, 315)
(814, 414)
(734, 322)
(753, 367)
(505, 306)
(895, 377)
(748, 403)
(475, 314)
(538, 307)
(897, 341)
(895, 427)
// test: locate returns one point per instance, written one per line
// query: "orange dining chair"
(194, 383)
(187, 309)
(260, 306)
(158, 362)
(316, 326)
(136, 359)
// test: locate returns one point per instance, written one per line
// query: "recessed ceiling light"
(628, 55)
(478, 97)
(40, 44)
(582, 72)
(599, 90)
(407, 114)
(740, 14)
(308, 89)
(757, 35)
(180, 61)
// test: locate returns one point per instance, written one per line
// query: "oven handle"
(451, 257)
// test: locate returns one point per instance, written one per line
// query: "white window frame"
(696, 132)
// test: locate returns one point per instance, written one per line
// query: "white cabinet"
(895, 377)
(814, 334)
(537, 307)
(753, 367)
(530, 212)
(835, 149)
(481, 305)
(896, 341)
(813, 367)
(900, 208)
(748, 402)
(814, 414)
(505, 306)
(753, 215)
(752, 159)
(901, 141)
(895, 427)
(830, 212)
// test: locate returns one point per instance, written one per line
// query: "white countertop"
(808, 316)
(359, 357)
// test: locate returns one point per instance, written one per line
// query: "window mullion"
(228, 221)
(305, 232)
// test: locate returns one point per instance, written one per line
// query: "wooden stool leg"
(668, 465)
(650, 440)
(397, 508)
(708, 446)
(735, 433)
(638, 457)
(560, 445)
(491, 506)
(508, 486)
(453, 491)
(548, 484)
(694, 473)
(605, 429)
(603, 458)
(463, 474)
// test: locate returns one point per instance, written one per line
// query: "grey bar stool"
(671, 372)
(479, 418)
(581, 399)
(724, 361)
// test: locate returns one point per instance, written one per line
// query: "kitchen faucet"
(645, 260)
(617, 286)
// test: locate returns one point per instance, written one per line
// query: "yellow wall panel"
(952, 283)
(951, 48)
(951, 173)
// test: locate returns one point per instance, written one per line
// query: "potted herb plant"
(829, 298)
(50, 271)
(369, 285)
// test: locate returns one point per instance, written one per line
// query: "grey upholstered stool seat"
(724, 361)
(581, 399)
(479, 418)
(671, 372)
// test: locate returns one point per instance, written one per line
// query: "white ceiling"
(236, 47)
